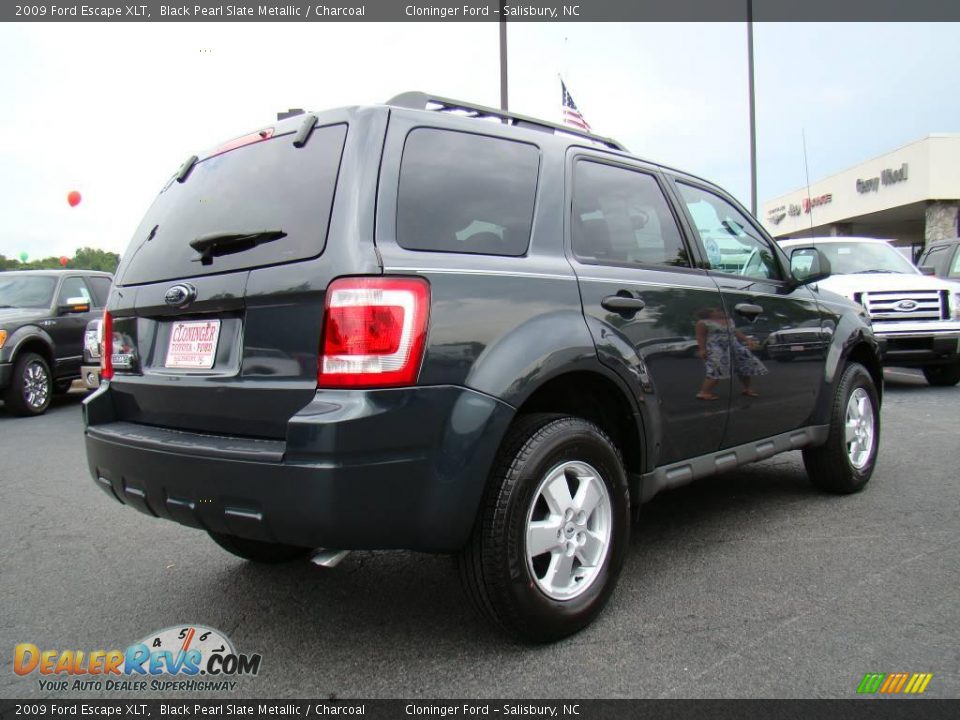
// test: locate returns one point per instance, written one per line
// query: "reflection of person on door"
(720, 343)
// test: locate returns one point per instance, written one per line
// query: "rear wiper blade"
(217, 244)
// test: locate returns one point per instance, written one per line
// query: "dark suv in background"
(437, 326)
(43, 316)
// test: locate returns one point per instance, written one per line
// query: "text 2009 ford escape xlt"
(403, 327)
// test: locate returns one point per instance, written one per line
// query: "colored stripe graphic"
(918, 683)
(894, 683)
(871, 682)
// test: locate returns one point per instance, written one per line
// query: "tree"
(85, 258)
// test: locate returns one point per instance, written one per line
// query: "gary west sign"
(889, 176)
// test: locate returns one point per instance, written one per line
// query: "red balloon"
(73, 197)
(64, 260)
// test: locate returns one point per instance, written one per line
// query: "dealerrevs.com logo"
(180, 658)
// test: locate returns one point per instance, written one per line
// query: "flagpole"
(503, 58)
(753, 112)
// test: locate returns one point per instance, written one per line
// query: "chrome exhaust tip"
(328, 558)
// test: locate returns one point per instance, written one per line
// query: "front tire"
(258, 551)
(551, 537)
(942, 375)
(31, 386)
(844, 464)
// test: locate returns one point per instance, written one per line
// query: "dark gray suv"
(437, 326)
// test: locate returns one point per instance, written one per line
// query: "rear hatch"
(218, 307)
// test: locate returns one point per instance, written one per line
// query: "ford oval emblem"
(180, 295)
(906, 305)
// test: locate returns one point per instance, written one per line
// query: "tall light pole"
(503, 58)
(753, 112)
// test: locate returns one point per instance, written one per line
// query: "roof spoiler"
(425, 101)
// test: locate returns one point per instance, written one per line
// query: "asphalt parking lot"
(747, 585)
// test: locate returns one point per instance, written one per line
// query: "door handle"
(748, 310)
(625, 305)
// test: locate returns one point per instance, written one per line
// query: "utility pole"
(503, 58)
(753, 112)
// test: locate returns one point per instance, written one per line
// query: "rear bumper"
(917, 349)
(401, 468)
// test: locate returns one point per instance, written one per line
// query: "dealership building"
(910, 195)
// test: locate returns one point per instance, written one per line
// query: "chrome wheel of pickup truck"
(568, 530)
(31, 386)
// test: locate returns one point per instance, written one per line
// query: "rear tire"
(31, 386)
(560, 475)
(257, 550)
(844, 464)
(942, 375)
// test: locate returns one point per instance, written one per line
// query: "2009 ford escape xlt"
(399, 326)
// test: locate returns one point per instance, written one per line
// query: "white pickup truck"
(915, 317)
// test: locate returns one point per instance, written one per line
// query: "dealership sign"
(889, 176)
(812, 202)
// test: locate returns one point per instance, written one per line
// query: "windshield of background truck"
(847, 258)
(266, 185)
(26, 291)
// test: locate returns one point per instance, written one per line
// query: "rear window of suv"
(465, 193)
(264, 186)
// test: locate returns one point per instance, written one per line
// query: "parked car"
(399, 326)
(916, 317)
(942, 259)
(43, 314)
(90, 370)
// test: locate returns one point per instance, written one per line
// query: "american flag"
(572, 116)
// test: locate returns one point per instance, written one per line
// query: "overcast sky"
(111, 110)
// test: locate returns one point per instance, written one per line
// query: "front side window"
(621, 216)
(955, 268)
(465, 193)
(73, 288)
(730, 241)
(937, 258)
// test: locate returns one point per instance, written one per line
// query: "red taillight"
(374, 331)
(106, 347)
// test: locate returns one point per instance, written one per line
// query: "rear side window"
(955, 268)
(265, 186)
(621, 216)
(101, 289)
(465, 193)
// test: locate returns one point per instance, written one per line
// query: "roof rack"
(423, 101)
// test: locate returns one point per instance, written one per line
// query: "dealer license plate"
(193, 344)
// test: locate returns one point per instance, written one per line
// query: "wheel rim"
(36, 385)
(860, 428)
(568, 530)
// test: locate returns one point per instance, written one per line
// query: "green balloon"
(23, 257)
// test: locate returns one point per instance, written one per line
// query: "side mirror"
(927, 270)
(808, 265)
(74, 305)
